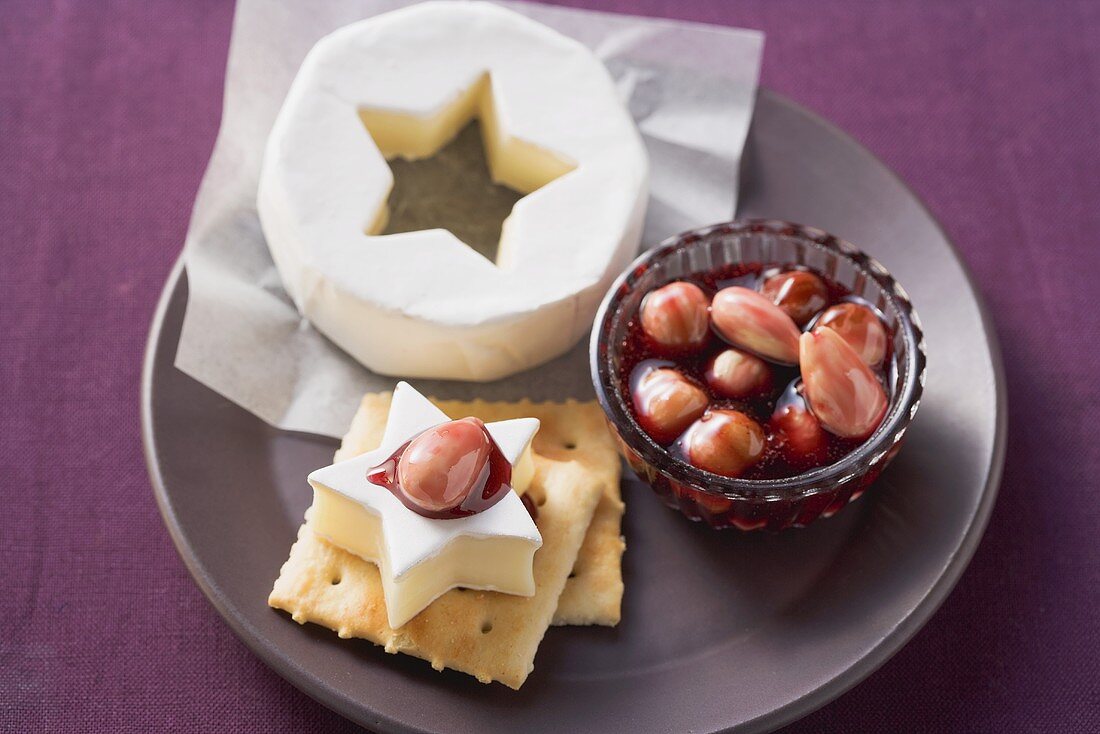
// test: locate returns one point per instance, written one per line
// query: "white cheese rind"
(423, 304)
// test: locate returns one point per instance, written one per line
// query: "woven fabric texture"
(108, 112)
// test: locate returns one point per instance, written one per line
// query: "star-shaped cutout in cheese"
(512, 161)
(451, 190)
(509, 162)
(420, 558)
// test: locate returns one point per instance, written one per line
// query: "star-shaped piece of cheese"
(419, 558)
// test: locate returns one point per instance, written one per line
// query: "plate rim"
(886, 647)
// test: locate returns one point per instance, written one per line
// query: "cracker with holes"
(570, 472)
(570, 431)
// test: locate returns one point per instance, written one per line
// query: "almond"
(839, 386)
(748, 320)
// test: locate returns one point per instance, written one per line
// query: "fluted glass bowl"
(751, 504)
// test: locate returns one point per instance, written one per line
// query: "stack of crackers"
(489, 635)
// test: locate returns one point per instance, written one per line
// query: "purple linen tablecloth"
(108, 111)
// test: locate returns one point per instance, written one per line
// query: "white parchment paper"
(691, 90)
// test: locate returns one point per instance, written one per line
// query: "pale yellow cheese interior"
(523, 471)
(493, 563)
(512, 162)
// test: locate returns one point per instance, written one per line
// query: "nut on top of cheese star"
(434, 506)
(423, 303)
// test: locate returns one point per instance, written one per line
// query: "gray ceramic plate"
(721, 630)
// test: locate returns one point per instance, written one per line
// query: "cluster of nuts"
(837, 346)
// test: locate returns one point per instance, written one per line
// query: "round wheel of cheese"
(423, 303)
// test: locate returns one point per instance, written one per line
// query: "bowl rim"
(821, 479)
